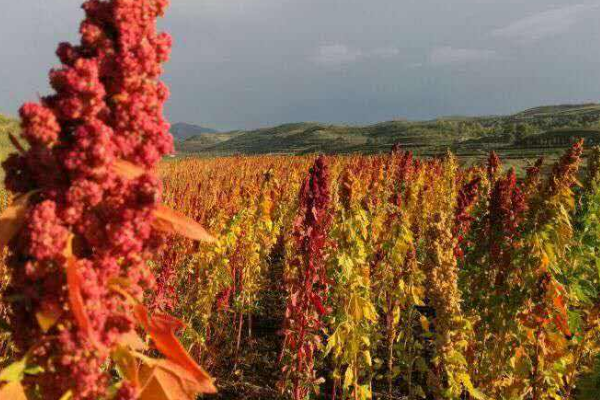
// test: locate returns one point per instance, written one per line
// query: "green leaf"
(456, 358)
(331, 342)
(14, 372)
(367, 355)
(348, 378)
(473, 391)
(421, 365)
(67, 396)
(5, 326)
(34, 370)
(420, 392)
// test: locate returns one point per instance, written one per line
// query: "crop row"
(349, 276)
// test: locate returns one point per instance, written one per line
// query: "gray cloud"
(252, 63)
(336, 55)
(385, 52)
(449, 55)
(546, 23)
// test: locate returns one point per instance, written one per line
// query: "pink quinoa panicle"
(308, 290)
(466, 198)
(107, 106)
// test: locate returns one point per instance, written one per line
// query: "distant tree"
(509, 128)
(522, 130)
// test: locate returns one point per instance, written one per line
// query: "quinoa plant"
(308, 284)
(88, 218)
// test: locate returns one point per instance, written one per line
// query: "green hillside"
(562, 137)
(545, 111)
(7, 125)
(202, 141)
(540, 130)
(467, 136)
(307, 137)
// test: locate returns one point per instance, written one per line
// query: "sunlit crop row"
(388, 274)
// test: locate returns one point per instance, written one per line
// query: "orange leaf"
(13, 391)
(424, 323)
(77, 303)
(561, 318)
(75, 297)
(544, 262)
(13, 218)
(68, 251)
(162, 331)
(170, 221)
(133, 341)
(47, 315)
(563, 325)
(166, 380)
(127, 170)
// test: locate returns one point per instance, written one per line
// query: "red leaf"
(319, 305)
(170, 221)
(162, 331)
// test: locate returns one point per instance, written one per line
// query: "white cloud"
(545, 24)
(448, 55)
(336, 55)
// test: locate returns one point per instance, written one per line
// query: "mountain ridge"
(184, 130)
(457, 133)
(528, 130)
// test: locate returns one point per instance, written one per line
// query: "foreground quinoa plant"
(87, 218)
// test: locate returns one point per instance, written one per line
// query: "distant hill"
(559, 110)
(461, 134)
(562, 137)
(7, 125)
(202, 141)
(182, 131)
(308, 137)
(532, 131)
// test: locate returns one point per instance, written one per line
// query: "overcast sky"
(251, 63)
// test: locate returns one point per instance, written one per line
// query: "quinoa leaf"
(170, 221)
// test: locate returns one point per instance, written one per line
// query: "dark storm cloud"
(249, 63)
